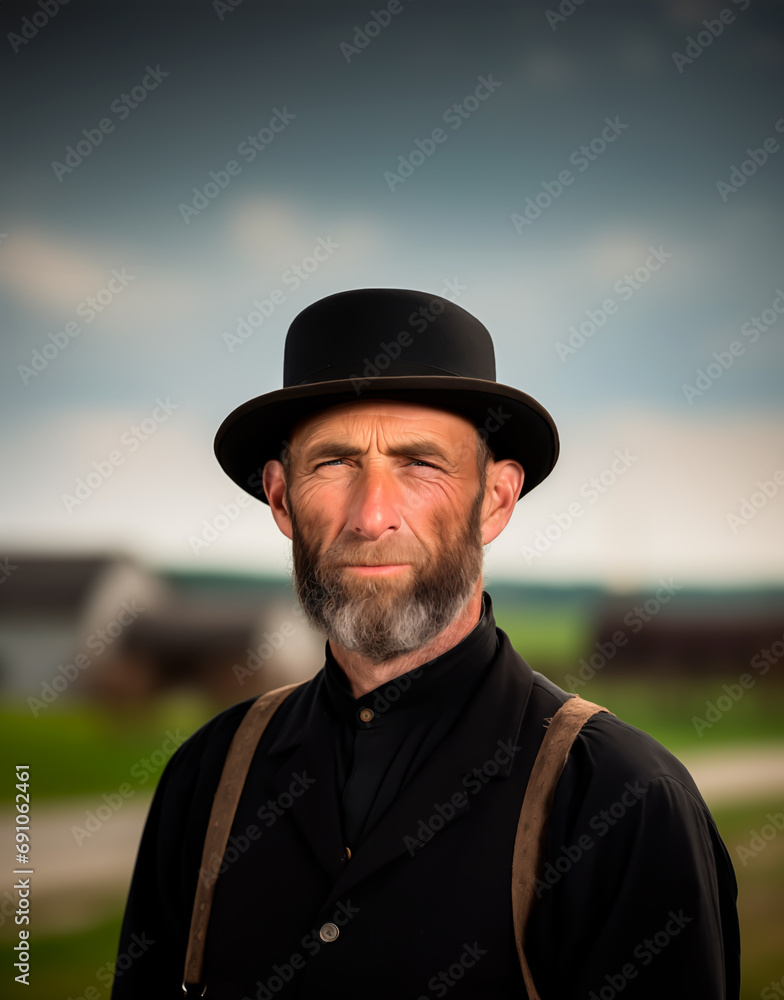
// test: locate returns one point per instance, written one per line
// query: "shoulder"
(613, 762)
(198, 762)
(608, 747)
(622, 784)
(616, 752)
(622, 795)
(632, 850)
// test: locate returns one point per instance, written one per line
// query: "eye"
(331, 461)
(423, 463)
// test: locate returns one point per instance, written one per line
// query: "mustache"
(348, 554)
(391, 560)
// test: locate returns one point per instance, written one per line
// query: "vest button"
(329, 932)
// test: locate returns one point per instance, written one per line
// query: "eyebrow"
(420, 447)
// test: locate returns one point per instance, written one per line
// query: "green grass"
(78, 749)
(547, 635)
(760, 890)
(667, 708)
(67, 966)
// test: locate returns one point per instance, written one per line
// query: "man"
(371, 850)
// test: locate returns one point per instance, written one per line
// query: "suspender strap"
(224, 806)
(530, 842)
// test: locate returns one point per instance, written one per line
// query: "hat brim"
(516, 425)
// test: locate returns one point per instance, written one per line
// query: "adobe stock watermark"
(31, 25)
(706, 378)
(256, 659)
(129, 443)
(774, 990)
(600, 823)
(591, 491)
(495, 418)
(6, 569)
(364, 34)
(473, 783)
(112, 802)
(224, 7)
(759, 839)
(214, 527)
(312, 943)
(109, 971)
(624, 288)
(565, 10)
(250, 147)
(756, 158)
(97, 642)
(418, 321)
(293, 277)
(717, 708)
(387, 696)
(645, 953)
(445, 979)
(122, 107)
(268, 813)
(454, 116)
(580, 158)
(695, 45)
(87, 310)
(751, 506)
(635, 619)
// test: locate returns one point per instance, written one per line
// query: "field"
(77, 753)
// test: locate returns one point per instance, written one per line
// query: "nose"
(375, 502)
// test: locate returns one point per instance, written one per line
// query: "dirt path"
(82, 867)
(739, 774)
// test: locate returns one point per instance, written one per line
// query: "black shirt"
(385, 736)
(637, 895)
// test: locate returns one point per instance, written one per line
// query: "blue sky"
(155, 97)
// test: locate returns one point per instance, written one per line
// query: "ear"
(275, 488)
(504, 482)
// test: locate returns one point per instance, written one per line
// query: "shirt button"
(329, 932)
(366, 715)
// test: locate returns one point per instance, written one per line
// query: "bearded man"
(367, 845)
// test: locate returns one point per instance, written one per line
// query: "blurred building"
(698, 634)
(109, 628)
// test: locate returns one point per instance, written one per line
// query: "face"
(385, 502)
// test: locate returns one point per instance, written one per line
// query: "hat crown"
(385, 331)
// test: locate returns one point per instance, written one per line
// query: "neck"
(364, 675)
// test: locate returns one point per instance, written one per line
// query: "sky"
(599, 183)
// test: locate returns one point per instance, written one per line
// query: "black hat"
(387, 343)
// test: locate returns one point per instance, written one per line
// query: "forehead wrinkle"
(406, 444)
(351, 434)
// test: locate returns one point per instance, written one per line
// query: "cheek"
(318, 508)
(439, 500)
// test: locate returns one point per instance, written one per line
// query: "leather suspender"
(529, 842)
(224, 806)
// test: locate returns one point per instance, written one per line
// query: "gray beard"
(375, 617)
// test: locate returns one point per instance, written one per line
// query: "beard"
(384, 617)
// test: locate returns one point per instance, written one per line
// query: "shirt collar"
(450, 676)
